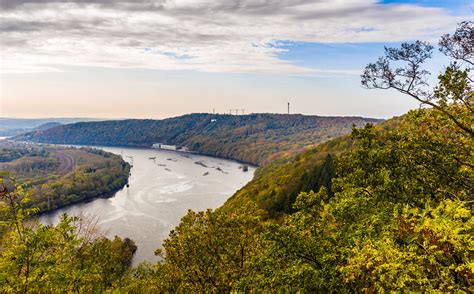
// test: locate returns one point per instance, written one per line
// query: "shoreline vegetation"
(80, 201)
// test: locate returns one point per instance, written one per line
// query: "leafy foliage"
(399, 217)
(207, 252)
(72, 256)
(276, 185)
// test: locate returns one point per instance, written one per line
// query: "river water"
(163, 186)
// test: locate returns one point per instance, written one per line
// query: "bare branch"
(460, 45)
(411, 79)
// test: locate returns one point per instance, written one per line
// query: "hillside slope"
(254, 138)
(276, 185)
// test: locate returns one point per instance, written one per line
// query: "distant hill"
(254, 138)
(16, 126)
(47, 126)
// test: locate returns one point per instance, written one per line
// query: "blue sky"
(128, 59)
(453, 5)
(333, 56)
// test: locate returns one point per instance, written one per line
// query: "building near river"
(169, 147)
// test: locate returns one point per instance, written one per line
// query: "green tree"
(399, 215)
(72, 256)
(209, 251)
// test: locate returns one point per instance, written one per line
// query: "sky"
(163, 58)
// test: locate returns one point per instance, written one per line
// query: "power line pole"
(236, 110)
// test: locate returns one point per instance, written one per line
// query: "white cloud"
(202, 35)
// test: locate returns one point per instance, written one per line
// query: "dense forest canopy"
(388, 208)
(254, 138)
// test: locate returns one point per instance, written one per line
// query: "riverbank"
(81, 201)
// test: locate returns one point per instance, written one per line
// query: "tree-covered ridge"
(58, 176)
(254, 138)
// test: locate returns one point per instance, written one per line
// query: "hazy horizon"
(126, 118)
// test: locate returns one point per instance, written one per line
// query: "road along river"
(163, 186)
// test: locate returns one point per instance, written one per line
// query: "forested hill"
(253, 138)
(276, 185)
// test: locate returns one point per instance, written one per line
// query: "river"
(163, 186)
